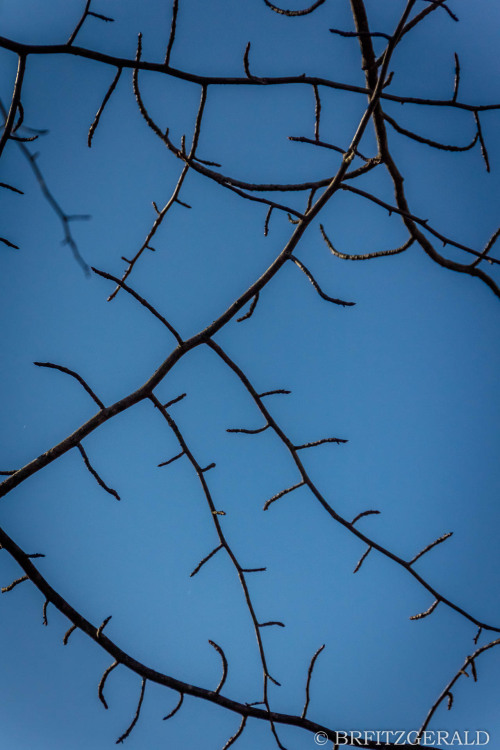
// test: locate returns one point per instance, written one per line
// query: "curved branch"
(304, 12)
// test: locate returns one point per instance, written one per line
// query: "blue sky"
(408, 375)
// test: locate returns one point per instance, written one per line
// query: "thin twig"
(15, 583)
(294, 12)
(67, 634)
(362, 558)
(309, 676)
(430, 546)
(456, 82)
(121, 284)
(315, 284)
(136, 717)
(364, 513)
(338, 441)
(427, 612)
(233, 739)
(100, 687)
(252, 307)
(484, 150)
(14, 104)
(102, 626)
(205, 559)
(74, 375)
(94, 473)
(177, 707)
(107, 97)
(173, 27)
(224, 665)
(317, 111)
(171, 460)
(282, 494)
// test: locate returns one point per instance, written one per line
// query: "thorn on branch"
(94, 473)
(316, 286)
(251, 309)
(282, 493)
(74, 375)
(248, 432)
(35, 555)
(102, 682)
(218, 512)
(309, 676)
(338, 441)
(107, 97)
(177, 707)
(207, 468)
(430, 546)
(450, 699)
(15, 583)
(364, 513)
(271, 622)
(291, 13)
(427, 611)
(233, 739)
(293, 221)
(476, 637)
(102, 626)
(67, 635)
(171, 460)
(136, 717)
(205, 559)
(362, 558)
(224, 665)
(181, 203)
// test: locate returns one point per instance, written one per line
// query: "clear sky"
(409, 376)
